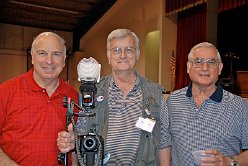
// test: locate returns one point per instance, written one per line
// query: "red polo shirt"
(30, 120)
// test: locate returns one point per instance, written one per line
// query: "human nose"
(123, 53)
(49, 58)
(205, 65)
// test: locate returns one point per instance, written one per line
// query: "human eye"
(211, 61)
(116, 51)
(57, 54)
(129, 50)
(41, 53)
(198, 61)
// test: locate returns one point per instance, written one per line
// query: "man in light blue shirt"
(203, 116)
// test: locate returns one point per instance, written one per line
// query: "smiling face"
(207, 74)
(122, 54)
(48, 57)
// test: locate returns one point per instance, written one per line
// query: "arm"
(74, 159)
(164, 152)
(164, 157)
(221, 159)
(242, 158)
(5, 160)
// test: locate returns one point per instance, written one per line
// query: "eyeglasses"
(127, 50)
(199, 62)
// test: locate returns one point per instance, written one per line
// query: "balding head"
(48, 34)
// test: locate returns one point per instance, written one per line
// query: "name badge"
(145, 124)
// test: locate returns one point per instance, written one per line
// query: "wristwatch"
(234, 162)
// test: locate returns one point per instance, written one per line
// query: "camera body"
(90, 146)
(88, 90)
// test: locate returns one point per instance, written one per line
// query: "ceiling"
(76, 16)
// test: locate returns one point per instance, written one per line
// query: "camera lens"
(89, 143)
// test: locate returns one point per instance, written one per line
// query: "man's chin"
(124, 68)
(204, 84)
(50, 76)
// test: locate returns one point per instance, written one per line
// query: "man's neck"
(49, 84)
(125, 81)
(200, 94)
(124, 76)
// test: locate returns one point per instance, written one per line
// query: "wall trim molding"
(6, 52)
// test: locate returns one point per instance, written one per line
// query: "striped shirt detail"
(220, 125)
(123, 137)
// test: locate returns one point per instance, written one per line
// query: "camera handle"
(63, 157)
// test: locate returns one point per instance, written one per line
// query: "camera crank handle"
(106, 158)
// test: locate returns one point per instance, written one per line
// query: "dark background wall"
(232, 39)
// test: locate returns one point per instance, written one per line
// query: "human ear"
(188, 67)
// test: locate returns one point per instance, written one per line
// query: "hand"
(66, 140)
(217, 160)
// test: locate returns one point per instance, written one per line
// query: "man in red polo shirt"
(31, 108)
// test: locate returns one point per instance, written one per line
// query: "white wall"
(142, 17)
(152, 49)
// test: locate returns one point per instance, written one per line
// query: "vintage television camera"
(89, 146)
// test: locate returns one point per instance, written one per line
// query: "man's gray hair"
(62, 41)
(122, 33)
(206, 45)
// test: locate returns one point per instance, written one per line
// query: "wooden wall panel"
(242, 82)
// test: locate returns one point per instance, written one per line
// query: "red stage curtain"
(192, 24)
(175, 6)
(229, 4)
(191, 29)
